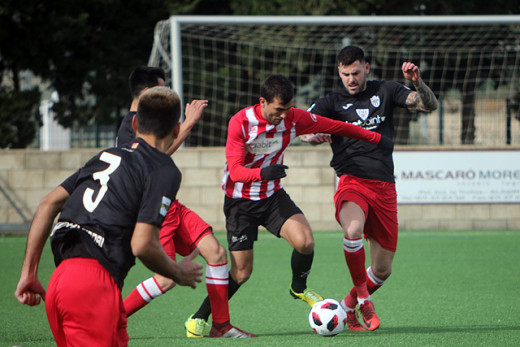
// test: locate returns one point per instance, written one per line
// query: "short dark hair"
(349, 54)
(277, 86)
(144, 77)
(158, 111)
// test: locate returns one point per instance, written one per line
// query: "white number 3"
(103, 177)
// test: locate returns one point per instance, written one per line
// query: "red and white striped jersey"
(253, 144)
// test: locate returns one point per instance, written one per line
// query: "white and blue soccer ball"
(327, 318)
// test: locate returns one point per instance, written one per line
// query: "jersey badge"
(253, 131)
(347, 106)
(363, 113)
(165, 205)
(313, 116)
(375, 101)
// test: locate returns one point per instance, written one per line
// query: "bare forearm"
(423, 99)
(183, 134)
(146, 246)
(193, 113)
(41, 227)
(157, 261)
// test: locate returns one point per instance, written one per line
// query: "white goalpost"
(472, 63)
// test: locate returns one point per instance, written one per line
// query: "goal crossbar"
(459, 55)
(177, 21)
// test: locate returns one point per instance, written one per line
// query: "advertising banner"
(472, 177)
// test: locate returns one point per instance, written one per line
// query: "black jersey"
(373, 110)
(126, 132)
(113, 191)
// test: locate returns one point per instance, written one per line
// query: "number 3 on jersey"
(103, 177)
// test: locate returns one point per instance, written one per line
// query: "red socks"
(355, 258)
(217, 285)
(142, 294)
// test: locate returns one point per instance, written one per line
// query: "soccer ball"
(327, 318)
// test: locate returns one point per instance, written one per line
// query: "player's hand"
(273, 172)
(29, 291)
(191, 272)
(317, 139)
(193, 111)
(411, 71)
(386, 144)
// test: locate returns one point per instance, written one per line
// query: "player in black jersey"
(366, 200)
(183, 230)
(111, 212)
(140, 79)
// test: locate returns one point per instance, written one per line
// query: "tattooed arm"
(423, 98)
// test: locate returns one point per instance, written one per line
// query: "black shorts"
(244, 216)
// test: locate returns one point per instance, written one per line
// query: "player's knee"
(215, 255)
(382, 272)
(242, 277)
(302, 240)
(221, 254)
(306, 246)
(242, 274)
(353, 231)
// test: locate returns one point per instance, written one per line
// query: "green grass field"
(448, 288)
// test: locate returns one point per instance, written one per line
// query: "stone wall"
(27, 175)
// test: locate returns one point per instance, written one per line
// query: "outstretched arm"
(193, 112)
(316, 139)
(322, 125)
(29, 286)
(422, 99)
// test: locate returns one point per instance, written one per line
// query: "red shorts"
(182, 230)
(378, 200)
(84, 305)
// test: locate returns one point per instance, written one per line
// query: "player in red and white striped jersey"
(257, 139)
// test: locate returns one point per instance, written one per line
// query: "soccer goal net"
(472, 63)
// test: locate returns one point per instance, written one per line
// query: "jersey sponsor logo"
(67, 225)
(347, 106)
(253, 131)
(98, 239)
(375, 101)
(263, 145)
(165, 205)
(371, 123)
(363, 113)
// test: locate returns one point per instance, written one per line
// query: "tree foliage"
(82, 49)
(19, 117)
(85, 49)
